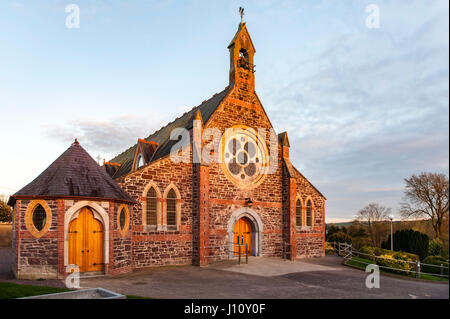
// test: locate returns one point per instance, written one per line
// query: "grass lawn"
(11, 291)
(362, 264)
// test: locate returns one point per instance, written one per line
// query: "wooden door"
(86, 242)
(242, 235)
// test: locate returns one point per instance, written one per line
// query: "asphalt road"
(262, 278)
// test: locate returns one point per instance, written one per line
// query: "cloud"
(107, 137)
(367, 110)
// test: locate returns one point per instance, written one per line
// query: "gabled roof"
(74, 174)
(242, 28)
(162, 136)
(283, 139)
(293, 172)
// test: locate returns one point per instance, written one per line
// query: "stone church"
(227, 191)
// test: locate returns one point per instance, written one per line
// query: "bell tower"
(242, 51)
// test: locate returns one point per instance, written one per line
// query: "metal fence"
(242, 251)
(348, 252)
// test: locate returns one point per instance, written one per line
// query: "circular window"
(123, 219)
(38, 218)
(245, 156)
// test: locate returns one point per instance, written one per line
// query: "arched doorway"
(86, 238)
(242, 237)
(248, 220)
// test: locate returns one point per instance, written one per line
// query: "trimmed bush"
(340, 238)
(391, 259)
(435, 260)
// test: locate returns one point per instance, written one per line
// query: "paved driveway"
(266, 278)
(261, 278)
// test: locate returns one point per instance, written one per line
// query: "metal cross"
(241, 12)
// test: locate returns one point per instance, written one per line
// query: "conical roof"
(75, 174)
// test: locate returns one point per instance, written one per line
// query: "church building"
(215, 183)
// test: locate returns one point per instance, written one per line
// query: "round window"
(245, 157)
(122, 219)
(39, 217)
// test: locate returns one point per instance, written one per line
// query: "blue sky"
(364, 108)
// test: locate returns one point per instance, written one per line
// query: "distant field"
(5, 235)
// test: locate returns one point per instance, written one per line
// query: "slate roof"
(72, 175)
(162, 136)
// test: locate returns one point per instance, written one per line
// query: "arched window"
(39, 217)
(171, 208)
(309, 217)
(298, 212)
(152, 207)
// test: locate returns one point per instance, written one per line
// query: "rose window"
(245, 157)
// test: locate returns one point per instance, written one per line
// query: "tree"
(435, 248)
(340, 237)
(410, 241)
(332, 230)
(427, 195)
(374, 217)
(5, 212)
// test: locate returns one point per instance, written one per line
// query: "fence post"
(442, 270)
(339, 249)
(239, 247)
(418, 269)
(246, 253)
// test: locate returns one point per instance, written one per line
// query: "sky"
(365, 105)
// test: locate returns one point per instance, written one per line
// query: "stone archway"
(99, 214)
(257, 229)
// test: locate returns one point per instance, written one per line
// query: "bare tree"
(427, 195)
(374, 217)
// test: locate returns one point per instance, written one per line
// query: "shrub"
(5, 212)
(435, 248)
(396, 263)
(410, 241)
(435, 260)
(340, 238)
(329, 250)
(391, 259)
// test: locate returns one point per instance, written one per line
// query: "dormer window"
(140, 161)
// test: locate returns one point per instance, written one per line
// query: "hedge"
(391, 259)
(435, 260)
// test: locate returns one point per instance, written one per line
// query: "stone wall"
(162, 245)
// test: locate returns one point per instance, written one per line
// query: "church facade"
(215, 183)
